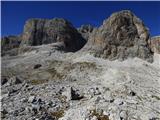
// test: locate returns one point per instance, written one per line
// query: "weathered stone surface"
(57, 30)
(155, 44)
(85, 31)
(121, 36)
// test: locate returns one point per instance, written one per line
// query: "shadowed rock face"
(121, 36)
(10, 42)
(155, 44)
(59, 31)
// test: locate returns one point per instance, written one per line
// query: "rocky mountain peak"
(120, 36)
(57, 30)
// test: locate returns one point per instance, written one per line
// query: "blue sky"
(14, 14)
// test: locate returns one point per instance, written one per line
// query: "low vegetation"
(99, 116)
(37, 82)
(58, 114)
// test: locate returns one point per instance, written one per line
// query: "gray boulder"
(72, 94)
(121, 36)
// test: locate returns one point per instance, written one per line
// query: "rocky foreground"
(53, 71)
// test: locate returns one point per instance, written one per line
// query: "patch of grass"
(55, 63)
(55, 74)
(62, 98)
(99, 116)
(80, 65)
(59, 69)
(84, 65)
(9, 72)
(37, 82)
(57, 114)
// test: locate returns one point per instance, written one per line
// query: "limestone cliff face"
(121, 36)
(60, 31)
(155, 44)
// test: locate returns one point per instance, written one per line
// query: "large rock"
(121, 36)
(58, 31)
(72, 94)
(9, 43)
(155, 44)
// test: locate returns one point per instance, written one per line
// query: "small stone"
(4, 81)
(21, 109)
(15, 113)
(94, 91)
(97, 92)
(123, 115)
(37, 66)
(111, 101)
(118, 101)
(30, 88)
(61, 90)
(52, 104)
(12, 90)
(105, 113)
(91, 91)
(75, 95)
(72, 94)
(35, 108)
(28, 109)
(32, 99)
(3, 113)
(87, 119)
(39, 100)
(94, 118)
(23, 100)
(132, 93)
(98, 99)
(108, 97)
(104, 89)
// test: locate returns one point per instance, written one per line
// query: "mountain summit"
(120, 36)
